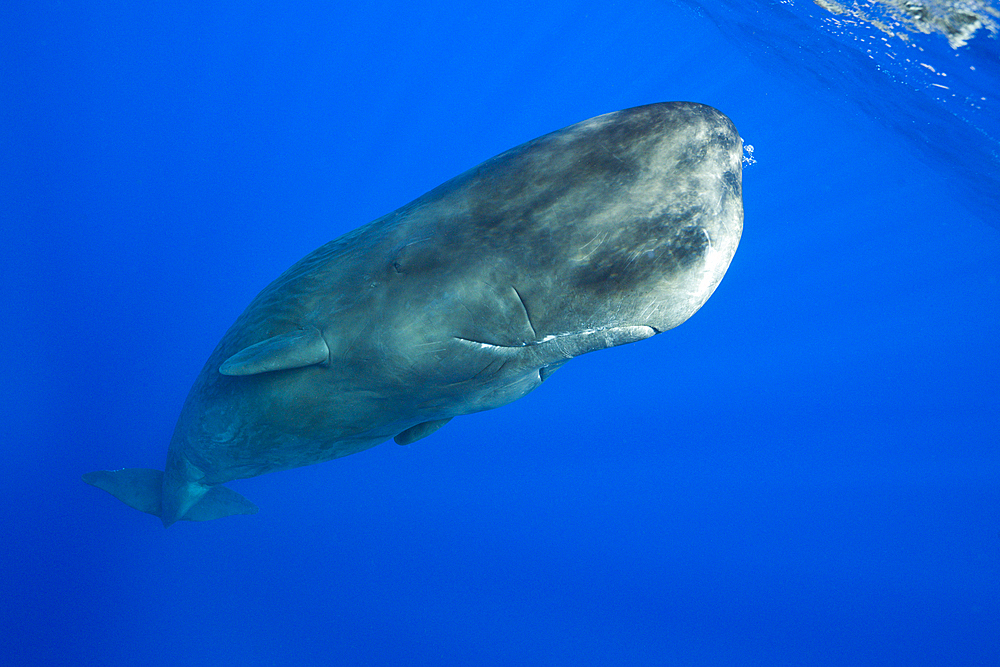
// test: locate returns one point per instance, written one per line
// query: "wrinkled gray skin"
(603, 233)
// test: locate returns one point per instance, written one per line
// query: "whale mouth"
(572, 343)
(528, 343)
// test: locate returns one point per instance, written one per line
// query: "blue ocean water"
(805, 473)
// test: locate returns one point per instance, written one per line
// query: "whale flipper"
(295, 349)
(420, 431)
(141, 488)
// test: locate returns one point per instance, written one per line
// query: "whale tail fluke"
(141, 488)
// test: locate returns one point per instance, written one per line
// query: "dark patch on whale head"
(689, 246)
(733, 185)
(646, 251)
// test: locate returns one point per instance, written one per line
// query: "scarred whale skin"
(603, 233)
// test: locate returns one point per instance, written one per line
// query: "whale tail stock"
(142, 489)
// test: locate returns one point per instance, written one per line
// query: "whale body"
(603, 233)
